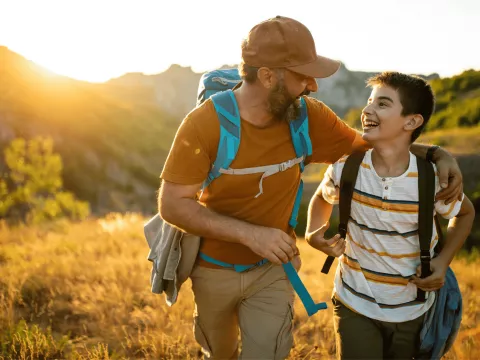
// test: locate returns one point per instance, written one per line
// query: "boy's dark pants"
(359, 337)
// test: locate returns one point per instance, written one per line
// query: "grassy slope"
(88, 282)
(113, 140)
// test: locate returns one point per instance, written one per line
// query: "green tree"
(31, 189)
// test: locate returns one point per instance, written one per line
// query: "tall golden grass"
(81, 291)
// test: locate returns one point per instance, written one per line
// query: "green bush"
(31, 188)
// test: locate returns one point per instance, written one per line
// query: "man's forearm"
(421, 151)
(189, 216)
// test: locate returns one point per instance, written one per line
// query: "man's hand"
(333, 247)
(273, 244)
(450, 177)
(436, 280)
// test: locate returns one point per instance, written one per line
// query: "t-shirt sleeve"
(189, 159)
(331, 137)
(447, 211)
(330, 185)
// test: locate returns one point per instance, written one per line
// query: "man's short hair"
(247, 73)
(416, 95)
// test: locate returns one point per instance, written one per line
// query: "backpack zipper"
(224, 81)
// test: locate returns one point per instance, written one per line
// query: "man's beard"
(282, 105)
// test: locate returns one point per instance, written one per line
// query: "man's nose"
(311, 85)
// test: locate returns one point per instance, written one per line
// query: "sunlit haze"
(98, 40)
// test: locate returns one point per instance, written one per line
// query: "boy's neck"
(390, 161)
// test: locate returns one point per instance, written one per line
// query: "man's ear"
(413, 122)
(267, 77)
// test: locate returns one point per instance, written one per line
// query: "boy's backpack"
(442, 321)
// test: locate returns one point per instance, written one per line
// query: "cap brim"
(321, 68)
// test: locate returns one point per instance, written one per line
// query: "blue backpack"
(218, 86)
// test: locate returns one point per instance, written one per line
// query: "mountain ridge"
(114, 137)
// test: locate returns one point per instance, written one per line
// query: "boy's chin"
(367, 136)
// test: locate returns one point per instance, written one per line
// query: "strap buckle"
(285, 165)
(425, 256)
(342, 230)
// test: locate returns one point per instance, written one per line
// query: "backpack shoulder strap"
(347, 185)
(299, 132)
(229, 118)
(441, 239)
(426, 203)
(303, 148)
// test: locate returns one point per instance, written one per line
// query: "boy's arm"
(458, 229)
(449, 172)
(319, 212)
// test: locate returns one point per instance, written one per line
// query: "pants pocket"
(200, 337)
(285, 336)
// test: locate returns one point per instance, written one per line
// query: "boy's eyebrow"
(385, 98)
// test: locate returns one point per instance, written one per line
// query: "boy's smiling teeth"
(369, 124)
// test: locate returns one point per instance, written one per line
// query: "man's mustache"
(304, 93)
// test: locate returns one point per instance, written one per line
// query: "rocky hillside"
(114, 137)
(176, 89)
(113, 140)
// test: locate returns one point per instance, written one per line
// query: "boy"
(375, 313)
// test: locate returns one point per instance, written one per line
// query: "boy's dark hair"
(416, 95)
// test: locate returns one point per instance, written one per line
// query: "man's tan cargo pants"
(258, 303)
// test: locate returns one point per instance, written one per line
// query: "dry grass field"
(81, 291)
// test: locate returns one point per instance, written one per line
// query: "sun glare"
(99, 40)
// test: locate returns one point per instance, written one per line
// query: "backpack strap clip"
(342, 230)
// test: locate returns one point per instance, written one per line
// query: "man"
(239, 224)
(376, 315)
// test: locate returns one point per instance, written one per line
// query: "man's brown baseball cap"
(282, 42)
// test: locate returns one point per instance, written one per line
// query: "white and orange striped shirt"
(382, 246)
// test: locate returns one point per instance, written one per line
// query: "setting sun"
(99, 40)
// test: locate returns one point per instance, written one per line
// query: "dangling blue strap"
(229, 117)
(302, 291)
(292, 275)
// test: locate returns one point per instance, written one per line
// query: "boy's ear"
(413, 122)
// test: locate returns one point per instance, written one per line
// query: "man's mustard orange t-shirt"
(194, 150)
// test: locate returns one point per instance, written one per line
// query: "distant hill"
(113, 140)
(114, 137)
(458, 101)
(176, 89)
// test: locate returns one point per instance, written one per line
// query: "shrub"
(31, 189)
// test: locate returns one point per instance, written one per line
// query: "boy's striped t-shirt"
(382, 247)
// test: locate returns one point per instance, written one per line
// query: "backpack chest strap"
(267, 170)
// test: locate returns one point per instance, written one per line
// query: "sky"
(102, 39)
